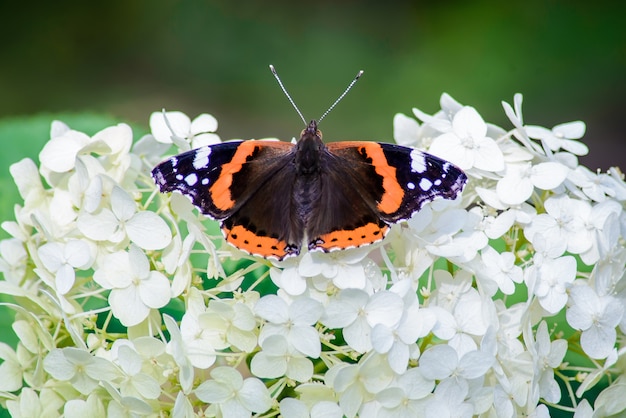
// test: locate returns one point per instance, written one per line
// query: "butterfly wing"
(238, 183)
(369, 186)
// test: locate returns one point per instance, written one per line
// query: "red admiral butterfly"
(271, 196)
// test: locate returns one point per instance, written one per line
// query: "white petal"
(26, 177)
(202, 140)
(570, 130)
(178, 122)
(273, 309)
(548, 176)
(598, 342)
(118, 138)
(306, 340)
(305, 311)
(468, 123)
(449, 147)
(514, 189)
(384, 308)
(100, 227)
(488, 156)
(212, 391)
(64, 279)
(149, 231)
(123, 206)
(382, 338)
(51, 255)
(357, 335)
(127, 306)
(204, 123)
(268, 366)
(155, 292)
(398, 357)
(59, 154)
(405, 129)
(254, 396)
(300, 369)
(77, 254)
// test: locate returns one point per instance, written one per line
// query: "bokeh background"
(92, 63)
(126, 59)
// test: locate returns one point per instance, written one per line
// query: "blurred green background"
(92, 63)
(129, 58)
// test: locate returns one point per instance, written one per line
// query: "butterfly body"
(273, 197)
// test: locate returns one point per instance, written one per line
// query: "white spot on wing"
(425, 184)
(179, 177)
(410, 185)
(191, 179)
(201, 159)
(418, 161)
(205, 181)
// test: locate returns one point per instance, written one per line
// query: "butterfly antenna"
(359, 74)
(280, 83)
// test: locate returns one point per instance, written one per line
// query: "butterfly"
(272, 197)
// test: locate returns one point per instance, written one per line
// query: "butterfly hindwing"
(345, 214)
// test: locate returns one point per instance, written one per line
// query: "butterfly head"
(309, 150)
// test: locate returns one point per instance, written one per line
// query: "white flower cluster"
(127, 302)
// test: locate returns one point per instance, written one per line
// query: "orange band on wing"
(220, 191)
(347, 238)
(251, 243)
(391, 200)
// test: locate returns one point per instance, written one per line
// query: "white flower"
(547, 356)
(398, 341)
(294, 322)
(177, 348)
(79, 408)
(278, 358)
(83, 370)
(136, 383)
(563, 225)
(357, 313)
(553, 281)
(520, 179)
(596, 316)
(358, 384)
(29, 403)
(233, 395)
(562, 136)
(467, 144)
(146, 229)
(595, 186)
(499, 268)
(62, 258)
(442, 361)
(177, 128)
(467, 320)
(405, 397)
(235, 320)
(12, 260)
(135, 288)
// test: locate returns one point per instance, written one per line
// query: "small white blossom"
(233, 395)
(294, 322)
(467, 144)
(135, 289)
(177, 128)
(146, 229)
(357, 313)
(597, 318)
